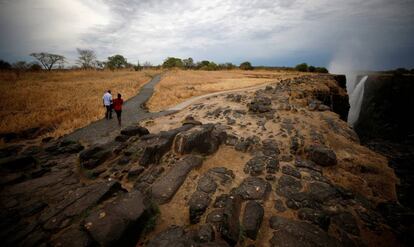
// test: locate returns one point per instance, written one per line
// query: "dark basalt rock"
(215, 216)
(206, 184)
(17, 163)
(322, 192)
(260, 104)
(317, 217)
(253, 188)
(252, 219)
(119, 223)
(73, 236)
(247, 144)
(255, 166)
(321, 155)
(10, 150)
(166, 187)
(134, 131)
(279, 206)
(289, 170)
(346, 222)
(198, 204)
(64, 146)
(288, 186)
(307, 164)
(205, 234)
(201, 139)
(173, 236)
(295, 233)
(94, 156)
(270, 147)
(230, 226)
(190, 120)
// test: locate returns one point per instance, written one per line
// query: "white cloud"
(274, 32)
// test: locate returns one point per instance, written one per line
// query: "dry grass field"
(61, 100)
(178, 85)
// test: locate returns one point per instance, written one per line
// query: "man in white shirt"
(107, 102)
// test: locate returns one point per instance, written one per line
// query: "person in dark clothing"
(117, 103)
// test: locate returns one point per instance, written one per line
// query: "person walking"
(107, 102)
(118, 107)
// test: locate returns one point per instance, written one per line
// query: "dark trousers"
(108, 113)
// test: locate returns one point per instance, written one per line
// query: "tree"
(116, 62)
(48, 60)
(137, 67)
(188, 63)
(321, 70)
(172, 62)
(5, 65)
(302, 67)
(35, 67)
(20, 65)
(311, 69)
(246, 66)
(86, 58)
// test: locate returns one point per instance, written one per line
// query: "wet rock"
(346, 222)
(252, 219)
(198, 204)
(294, 233)
(200, 139)
(315, 216)
(134, 131)
(253, 188)
(94, 156)
(206, 184)
(260, 104)
(288, 170)
(17, 163)
(166, 187)
(288, 186)
(230, 226)
(321, 155)
(119, 223)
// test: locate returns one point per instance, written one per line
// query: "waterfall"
(355, 101)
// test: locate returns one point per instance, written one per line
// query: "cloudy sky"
(366, 34)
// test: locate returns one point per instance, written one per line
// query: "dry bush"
(61, 100)
(178, 85)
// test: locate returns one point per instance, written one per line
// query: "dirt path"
(104, 130)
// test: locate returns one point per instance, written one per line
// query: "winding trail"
(103, 130)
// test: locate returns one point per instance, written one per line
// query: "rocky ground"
(271, 167)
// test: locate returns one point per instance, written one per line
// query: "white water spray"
(355, 101)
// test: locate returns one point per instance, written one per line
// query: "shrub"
(5, 65)
(172, 62)
(246, 66)
(321, 70)
(302, 67)
(311, 69)
(116, 62)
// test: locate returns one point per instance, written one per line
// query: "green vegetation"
(246, 66)
(303, 67)
(116, 62)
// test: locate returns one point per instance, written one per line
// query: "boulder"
(260, 104)
(206, 184)
(190, 120)
(73, 236)
(252, 219)
(64, 146)
(201, 139)
(346, 222)
(295, 233)
(205, 234)
(198, 204)
(173, 236)
(288, 185)
(134, 131)
(321, 155)
(94, 156)
(289, 170)
(166, 187)
(315, 216)
(230, 226)
(120, 222)
(17, 163)
(253, 188)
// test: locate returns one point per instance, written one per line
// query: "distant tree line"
(303, 67)
(188, 63)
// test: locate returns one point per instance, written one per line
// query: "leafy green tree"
(21, 65)
(321, 70)
(48, 60)
(172, 62)
(35, 67)
(246, 66)
(302, 67)
(116, 62)
(311, 69)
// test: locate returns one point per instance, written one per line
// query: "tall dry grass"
(178, 85)
(61, 100)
